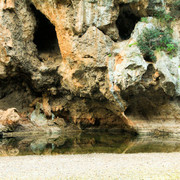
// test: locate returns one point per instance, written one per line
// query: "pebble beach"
(92, 166)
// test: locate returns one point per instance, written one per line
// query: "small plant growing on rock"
(156, 39)
(144, 19)
(163, 16)
(135, 43)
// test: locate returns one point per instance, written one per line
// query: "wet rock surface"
(79, 61)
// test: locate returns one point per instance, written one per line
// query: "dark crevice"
(126, 21)
(128, 111)
(65, 114)
(145, 103)
(45, 35)
(86, 125)
(17, 92)
(147, 58)
(97, 123)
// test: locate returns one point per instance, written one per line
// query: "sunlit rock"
(9, 119)
(77, 64)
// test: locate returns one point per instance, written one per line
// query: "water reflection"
(86, 143)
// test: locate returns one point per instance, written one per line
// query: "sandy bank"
(92, 166)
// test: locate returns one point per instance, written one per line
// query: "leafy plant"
(171, 47)
(177, 3)
(109, 55)
(144, 19)
(163, 16)
(135, 43)
(156, 39)
(175, 9)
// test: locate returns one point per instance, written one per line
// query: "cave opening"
(45, 36)
(17, 92)
(147, 58)
(126, 21)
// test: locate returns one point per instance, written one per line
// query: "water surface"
(83, 143)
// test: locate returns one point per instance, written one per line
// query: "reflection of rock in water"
(13, 152)
(38, 146)
(155, 144)
(42, 146)
(8, 147)
(86, 143)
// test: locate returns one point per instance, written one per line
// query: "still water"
(82, 143)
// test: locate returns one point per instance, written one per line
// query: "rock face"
(80, 59)
(8, 120)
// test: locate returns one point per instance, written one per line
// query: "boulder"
(9, 119)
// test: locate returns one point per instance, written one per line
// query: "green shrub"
(163, 16)
(156, 39)
(175, 9)
(176, 5)
(144, 19)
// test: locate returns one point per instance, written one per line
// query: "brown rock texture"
(9, 119)
(78, 60)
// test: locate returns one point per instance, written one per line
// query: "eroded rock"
(80, 59)
(9, 119)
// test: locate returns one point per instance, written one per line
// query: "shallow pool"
(82, 143)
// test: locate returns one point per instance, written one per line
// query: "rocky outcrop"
(79, 61)
(9, 120)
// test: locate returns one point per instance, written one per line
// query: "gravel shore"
(92, 166)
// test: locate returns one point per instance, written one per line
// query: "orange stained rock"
(8, 122)
(118, 60)
(77, 84)
(127, 121)
(3, 55)
(39, 99)
(58, 17)
(155, 76)
(4, 35)
(57, 108)
(9, 4)
(116, 88)
(9, 117)
(46, 106)
(23, 116)
(88, 119)
(92, 121)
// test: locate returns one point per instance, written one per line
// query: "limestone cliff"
(78, 62)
